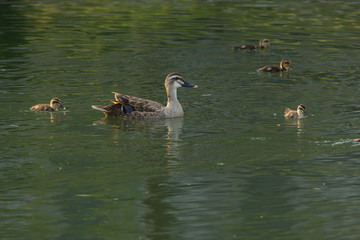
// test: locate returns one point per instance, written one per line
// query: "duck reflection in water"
(55, 117)
(173, 144)
(158, 187)
(153, 128)
(285, 74)
(299, 124)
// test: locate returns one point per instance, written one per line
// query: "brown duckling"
(263, 43)
(134, 107)
(284, 66)
(53, 106)
(299, 113)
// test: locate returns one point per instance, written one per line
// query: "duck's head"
(55, 103)
(301, 111)
(176, 80)
(285, 65)
(264, 43)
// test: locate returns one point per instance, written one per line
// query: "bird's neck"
(173, 107)
(53, 106)
(300, 114)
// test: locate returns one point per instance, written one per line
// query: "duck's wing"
(269, 69)
(111, 110)
(156, 114)
(290, 113)
(138, 104)
(245, 46)
(41, 107)
(118, 110)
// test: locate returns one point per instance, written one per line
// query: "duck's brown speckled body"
(284, 66)
(134, 107)
(55, 103)
(263, 43)
(299, 113)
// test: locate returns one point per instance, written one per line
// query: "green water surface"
(231, 168)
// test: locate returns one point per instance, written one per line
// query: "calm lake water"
(231, 168)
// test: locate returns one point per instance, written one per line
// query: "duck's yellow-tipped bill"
(186, 84)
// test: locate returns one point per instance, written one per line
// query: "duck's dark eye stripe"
(175, 77)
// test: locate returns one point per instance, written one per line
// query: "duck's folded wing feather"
(41, 107)
(271, 68)
(290, 113)
(155, 114)
(138, 104)
(111, 110)
(245, 46)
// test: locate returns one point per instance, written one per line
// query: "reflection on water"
(286, 74)
(298, 123)
(148, 127)
(173, 144)
(158, 216)
(55, 117)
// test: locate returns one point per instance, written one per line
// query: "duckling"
(53, 106)
(134, 107)
(299, 113)
(263, 43)
(284, 66)
(357, 140)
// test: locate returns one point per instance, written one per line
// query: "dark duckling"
(299, 113)
(284, 66)
(263, 43)
(55, 103)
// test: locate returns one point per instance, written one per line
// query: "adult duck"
(134, 107)
(263, 43)
(55, 103)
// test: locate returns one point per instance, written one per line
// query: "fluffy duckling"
(53, 106)
(299, 113)
(263, 43)
(284, 66)
(134, 107)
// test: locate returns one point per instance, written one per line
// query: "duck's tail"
(100, 108)
(287, 110)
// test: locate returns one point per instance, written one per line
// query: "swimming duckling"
(299, 113)
(284, 66)
(134, 107)
(53, 106)
(263, 43)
